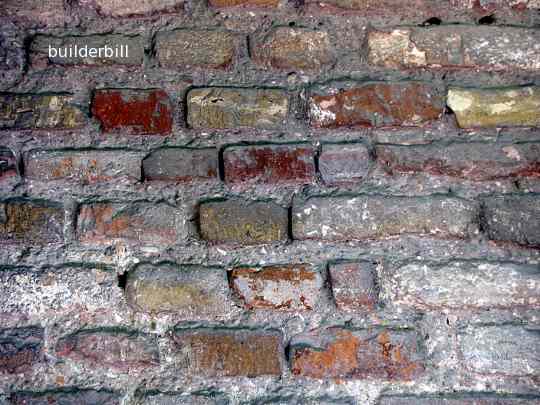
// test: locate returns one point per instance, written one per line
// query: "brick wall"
(270, 202)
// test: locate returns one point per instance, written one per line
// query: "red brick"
(269, 164)
(243, 3)
(110, 349)
(377, 105)
(145, 223)
(344, 163)
(181, 164)
(83, 166)
(133, 111)
(340, 353)
(8, 164)
(20, 349)
(471, 160)
(291, 287)
(293, 48)
(354, 285)
(31, 222)
(225, 353)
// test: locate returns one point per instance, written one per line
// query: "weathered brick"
(243, 222)
(376, 105)
(46, 12)
(519, 106)
(71, 291)
(344, 163)
(288, 287)
(451, 46)
(114, 349)
(500, 349)
(243, 3)
(293, 48)
(168, 398)
(181, 164)
(456, 399)
(188, 291)
(133, 111)
(26, 111)
(20, 349)
(84, 166)
(12, 58)
(229, 353)
(514, 218)
(269, 163)
(340, 353)
(140, 222)
(125, 50)
(464, 285)
(201, 48)
(8, 164)
(472, 160)
(355, 286)
(217, 107)
(31, 221)
(366, 217)
(125, 8)
(66, 396)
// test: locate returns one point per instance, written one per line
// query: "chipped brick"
(20, 349)
(377, 105)
(355, 285)
(289, 287)
(344, 163)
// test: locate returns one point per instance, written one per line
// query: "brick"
(133, 111)
(181, 164)
(125, 50)
(12, 59)
(31, 221)
(243, 3)
(114, 349)
(293, 48)
(505, 350)
(70, 291)
(20, 349)
(187, 291)
(288, 287)
(472, 160)
(8, 164)
(340, 353)
(344, 163)
(243, 222)
(201, 48)
(162, 398)
(477, 399)
(140, 222)
(221, 108)
(519, 106)
(25, 111)
(126, 8)
(464, 285)
(45, 12)
(488, 48)
(513, 218)
(376, 105)
(367, 217)
(66, 396)
(269, 164)
(229, 353)
(84, 167)
(355, 286)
